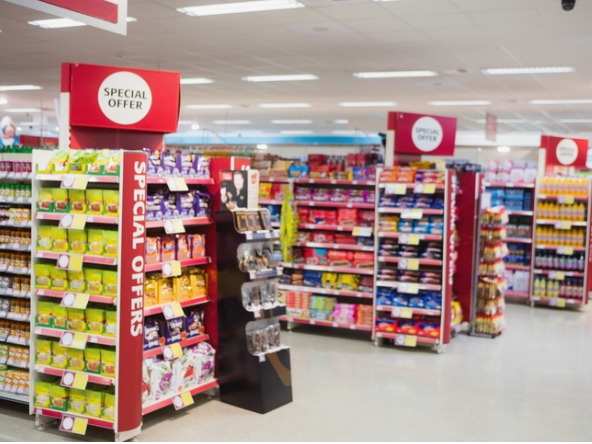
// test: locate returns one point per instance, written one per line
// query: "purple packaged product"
(186, 204)
(321, 194)
(303, 193)
(154, 207)
(172, 330)
(201, 166)
(193, 323)
(185, 164)
(170, 206)
(154, 163)
(151, 333)
(202, 203)
(169, 164)
(340, 195)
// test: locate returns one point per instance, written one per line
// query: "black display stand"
(257, 382)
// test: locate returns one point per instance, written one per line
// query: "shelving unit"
(518, 199)
(413, 258)
(272, 191)
(335, 244)
(561, 243)
(15, 290)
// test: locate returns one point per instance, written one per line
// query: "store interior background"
(331, 40)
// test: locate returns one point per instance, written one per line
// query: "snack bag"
(110, 323)
(168, 248)
(60, 240)
(76, 361)
(96, 242)
(110, 282)
(92, 358)
(60, 316)
(100, 163)
(60, 200)
(77, 241)
(197, 244)
(76, 319)
(80, 159)
(58, 396)
(166, 292)
(111, 243)
(95, 318)
(94, 202)
(44, 239)
(108, 359)
(42, 279)
(183, 251)
(59, 278)
(76, 281)
(182, 287)
(45, 202)
(77, 402)
(77, 201)
(111, 199)
(151, 333)
(114, 163)
(59, 161)
(44, 314)
(198, 284)
(150, 292)
(41, 398)
(109, 407)
(94, 403)
(60, 356)
(193, 323)
(152, 250)
(94, 281)
(43, 352)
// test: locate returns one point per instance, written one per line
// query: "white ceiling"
(331, 39)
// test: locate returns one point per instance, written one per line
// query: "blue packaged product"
(416, 302)
(151, 333)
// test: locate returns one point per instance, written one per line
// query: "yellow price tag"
(182, 400)
(561, 303)
(409, 288)
(75, 300)
(566, 199)
(75, 380)
(172, 268)
(173, 310)
(557, 275)
(411, 213)
(425, 188)
(568, 251)
(409, 239)
(395, 188)
(362, 231)
(563, 225)
(402, 312)
(74, 340)
(177, 184)
(409, 264)
(74, 424)
(70, 262)
(75, 182)
(73, 221)
(174, 226)
(406, 340)
(172, 351)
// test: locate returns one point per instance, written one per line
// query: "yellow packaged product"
(111, 243)
(61, 203)
(41, 398)
(110, 282)
(42, 279)
(43, 352)
(60, 316)
(60, 356)
(150, 292)
(92, 357)
(183, 288)
(76, 281)
(77, 201)
(60, 239)
(79, 159)
(44, 239)
(95, 320)
(76, 361)
(44, 314)
(45, 200)
(77, 241)
(77, 402)
(94, 403)
(59, 278)
(111, 199)
(198, 284)
(96, 242)
(59, 161)
(114, 162)
(110, 323)
(94, 202)
(59, 397)
(76, 319)
(166, 292)
(109, 407)
(94, 281)
(108, 359)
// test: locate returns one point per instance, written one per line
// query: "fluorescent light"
(231, 122)
(560, 101)
(535, 70)
(3, 101)
(394, 74)
(284, 105)
(575, 120)
(57, 128)
(368, 104)
(503, 121)
(64, 23)
(19, 87)
(22, 110)
(346, 132)
(195, 126)
(341, 122)
(284, 78)
(503, 149)
(291, 122)
(459, 102)
(196, 81)
(296, 132)
(19, 129)
(231, 8)
(210, 106)
(262, 146)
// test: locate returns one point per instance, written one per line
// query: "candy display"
(257, 256)
(264, 340)
(192, 284)
(161, 204)
(260, 295)
(14, 216)
(175, 247)
(94, 319)
(87, 161)
(510, 171)
(159, 331)
(89, 241)
(167, 163)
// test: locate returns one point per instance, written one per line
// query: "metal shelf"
(366, 271)
(186, 343)
(329, 291)
(335, 246)
(149, 311)
(164, 402)
(331, 324)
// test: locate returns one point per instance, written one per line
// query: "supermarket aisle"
(532, 383)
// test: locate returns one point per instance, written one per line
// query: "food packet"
(94, 281)
(44, 314)
(44, 239)
(76, 281)
(76, 361)
(110, 281)
(150, 292)
(41, 398)
(96, 242)
(60, 200)
(92, 358)
(111, 199)
(59, 278)
(77, 201)
(60, 239)
(59, 397)
(77, 240)
(60, 356)
(43, 352)
(94, 202)
(60, 316)
(77, 402)
(95, 319)
(111, 243)
(109, 407)
(76, 319)
(94, 403)
(110, 323)
(108, 359)
(42, 279)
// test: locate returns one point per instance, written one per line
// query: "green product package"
(76, 281)
(60, 239)
(76, 319)
(94, 202)
(110, 323)
(61, 204)
(111, 199)
(45, 201)
(79, 159)
(96, 242)
(77, 241)
(60, 316)
(44, 314)
(94, 281)
(95, 320)
(109, 407)
(60, 356)
(110, 282)
(94, 403)
(59, 278)
(111, 243)
(44, 239)
(76, 360)
(77, 401)
(43, 352)
(42, 279)
(77, 201)
(59, 397)
(92, 358)
(108, 360)
(41, 398)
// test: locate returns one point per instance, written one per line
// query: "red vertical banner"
(448, 275)
(131, 291)
(491, 127)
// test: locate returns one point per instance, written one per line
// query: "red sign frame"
(421, 134)
(551, 145)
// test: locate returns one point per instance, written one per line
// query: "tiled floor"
(532, 383)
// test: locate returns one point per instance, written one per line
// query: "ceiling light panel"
(210, 106)
(292, 122)
(231, 122)
(296, 132)
(240, 7)
(533, 70)
(284, 105)
(560, 101)
(65, 23)
(459, 102)
(575, 120)
(22, 110)
(394, 74)
(366, 104)
(196, 81)
(283, 78)
(19, 87)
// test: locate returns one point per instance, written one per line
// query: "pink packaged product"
(328, 217)
(305, 236)
(321, 194)
(340, 195)
(322, 236)
(344, 313)
(366, 218)
(303, 193)
(204, 355)
(347, 216)
(153, 250)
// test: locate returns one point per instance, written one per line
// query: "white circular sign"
(68, 423)
(167, 353)
(67, 338)
(167, 311)
(69, 299)
(566, 151)
(69, 181)
(178, 402)
(168, 226)
(68, 379)
(427, 134)
(63, 261)
(125, 98)
(67, 220)
(167, 270)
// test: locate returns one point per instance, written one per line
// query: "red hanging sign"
(565, 151)
(422, 134)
